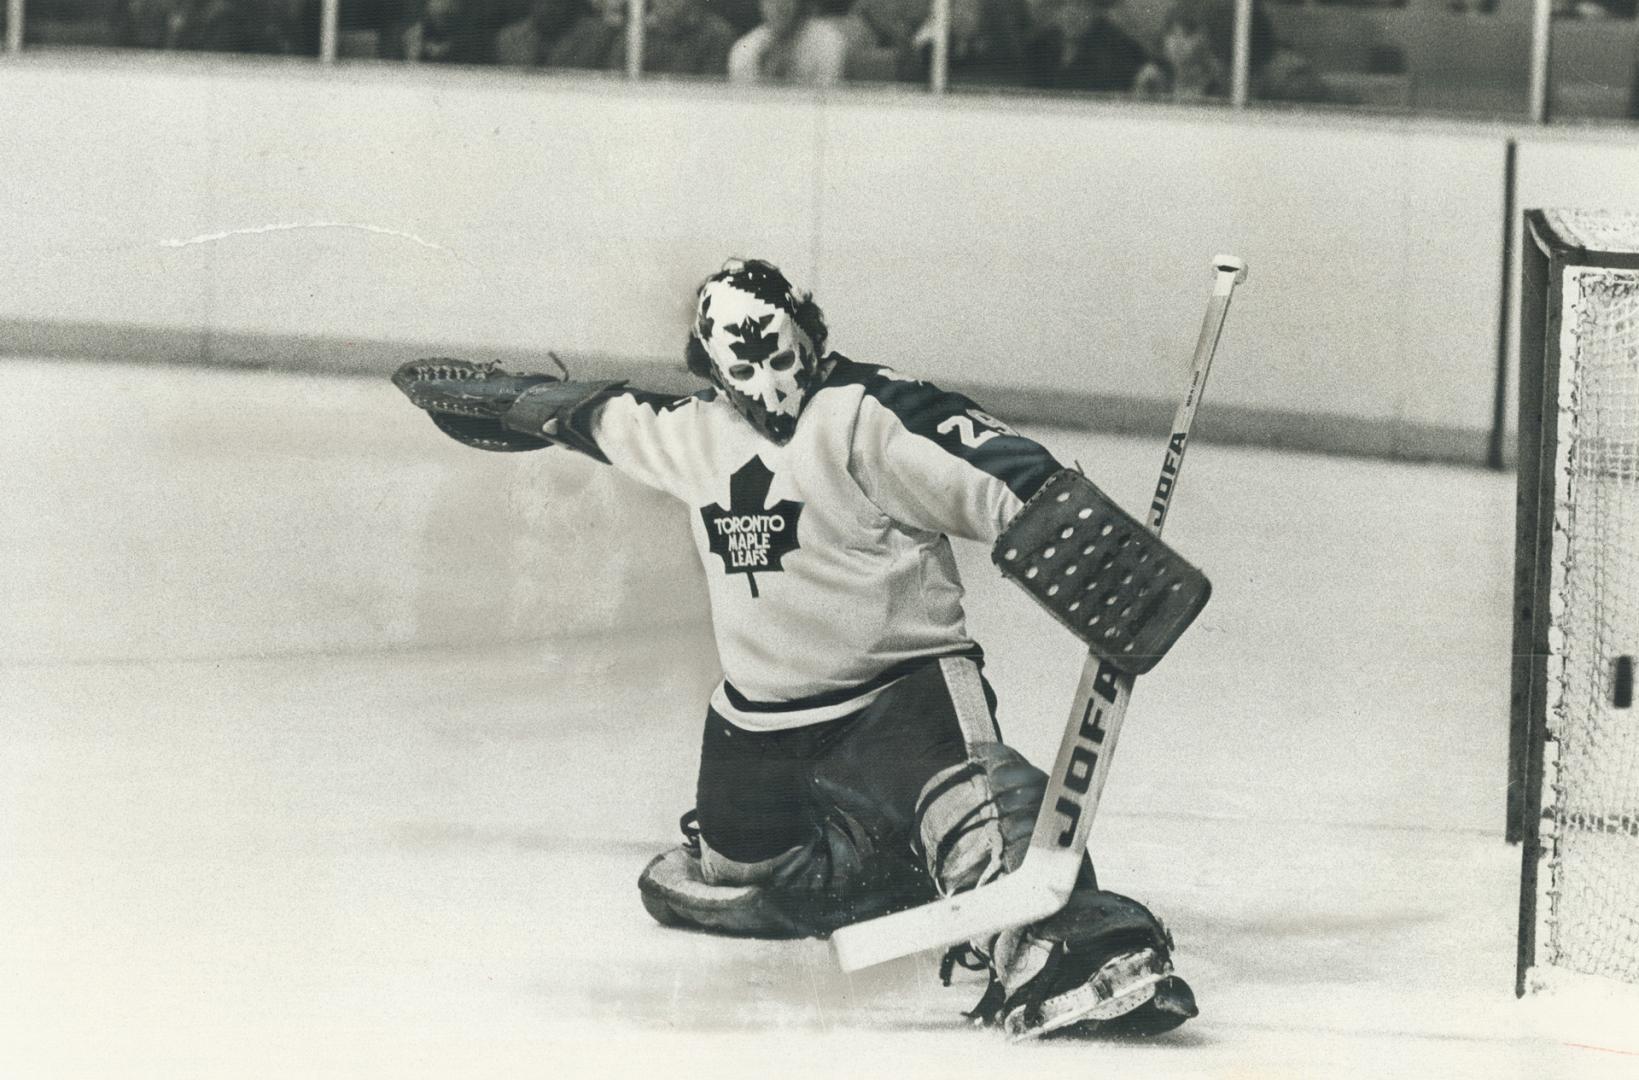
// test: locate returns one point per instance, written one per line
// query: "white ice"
(420, 861)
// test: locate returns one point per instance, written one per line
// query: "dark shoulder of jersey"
(954, 423)
(666, 402)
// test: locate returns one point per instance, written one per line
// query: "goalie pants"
(825, 815)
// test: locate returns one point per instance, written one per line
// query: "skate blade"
(1120, 986)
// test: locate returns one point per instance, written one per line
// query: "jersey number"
(973, 435)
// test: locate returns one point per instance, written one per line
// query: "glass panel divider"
(939, 65)
(1240, 56)
(1542, 14)
(329, 30)
(634, 38)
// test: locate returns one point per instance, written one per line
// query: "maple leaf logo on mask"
(750, 536)
(754, 344)
(764, 282)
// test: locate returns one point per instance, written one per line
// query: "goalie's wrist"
(561, 412)
(535, 413)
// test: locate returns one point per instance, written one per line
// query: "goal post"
(1573, 783)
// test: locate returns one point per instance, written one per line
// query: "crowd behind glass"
(1308, 51)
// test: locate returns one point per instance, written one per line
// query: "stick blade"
(1019, 898)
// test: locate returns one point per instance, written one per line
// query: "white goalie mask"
(755, 335)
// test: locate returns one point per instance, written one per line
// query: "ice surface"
(396, 856)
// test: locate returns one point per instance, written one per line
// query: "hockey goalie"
(851, 764)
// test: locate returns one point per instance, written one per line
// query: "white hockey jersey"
(828, 559)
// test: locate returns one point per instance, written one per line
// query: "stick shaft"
(1042, 884)
(1100, 703)
(1230, 273)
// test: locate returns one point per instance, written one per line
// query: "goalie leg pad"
(677, 893)
(1099, 571)
(838, 877)
(1102, 964)
(807, 891)
(974, 819)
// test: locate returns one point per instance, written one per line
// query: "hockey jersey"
(828, 559)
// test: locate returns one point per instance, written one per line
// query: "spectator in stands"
(1075, 45)
(1196, 51)
(149, 24)
(594, 38)
(790, 45)
(986, 44)
(1284, 74)
(1186, 65)
(240, 26)
(446, 32)
(892, 23)
(681, 37)
(362, 27)
(742, 15)
(529, 41)
(864, 59)
(1633, 88)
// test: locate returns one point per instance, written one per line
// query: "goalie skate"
(1136, 985)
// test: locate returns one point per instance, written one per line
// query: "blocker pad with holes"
(1101, 573)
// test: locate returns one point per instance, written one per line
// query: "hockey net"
(1580, 881)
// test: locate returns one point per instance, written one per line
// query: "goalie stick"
(1042, 883)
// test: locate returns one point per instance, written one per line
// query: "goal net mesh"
(1589, 889)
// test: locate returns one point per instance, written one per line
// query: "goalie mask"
(759, 341)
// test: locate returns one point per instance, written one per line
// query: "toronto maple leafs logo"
(750, 536)
(755, 342)
(763, 281)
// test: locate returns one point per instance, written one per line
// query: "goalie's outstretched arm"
(480, 405)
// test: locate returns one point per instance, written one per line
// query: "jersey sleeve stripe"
(948, 420)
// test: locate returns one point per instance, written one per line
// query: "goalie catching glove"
(483, 406)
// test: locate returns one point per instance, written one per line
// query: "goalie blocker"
(1112, 582)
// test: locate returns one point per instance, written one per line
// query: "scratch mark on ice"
(291, 226)
(1603, 1049)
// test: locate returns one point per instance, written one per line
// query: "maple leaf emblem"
(754, 344)
(750, 536)
(763, 282)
